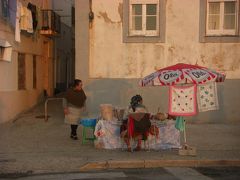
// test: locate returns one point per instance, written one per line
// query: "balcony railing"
(51, 25)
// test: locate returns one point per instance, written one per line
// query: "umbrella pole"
(186, 150)
(184, 133)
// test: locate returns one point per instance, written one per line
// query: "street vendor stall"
(191, 88)
(108, 135)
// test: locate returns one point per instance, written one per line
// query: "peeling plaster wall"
(114, 67)
(109, 56)
(135, 60)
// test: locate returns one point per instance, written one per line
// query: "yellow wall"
(12, 100)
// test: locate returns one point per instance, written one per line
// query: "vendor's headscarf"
(135, 101)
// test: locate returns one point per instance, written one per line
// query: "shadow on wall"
(1, 112)
(213, 116)
(118, 92)
(106, 91)
(220, 114)
(229, 103)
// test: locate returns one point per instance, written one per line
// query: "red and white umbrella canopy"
(182, 74)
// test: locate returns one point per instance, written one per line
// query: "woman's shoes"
(74, 137)
(138, 148)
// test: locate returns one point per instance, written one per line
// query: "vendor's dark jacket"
(76, 97)
(140, 126)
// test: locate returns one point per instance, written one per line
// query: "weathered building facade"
(128, 39)
(29, 71)
(38, 62)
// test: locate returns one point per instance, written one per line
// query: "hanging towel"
(207, 97)
(33, 10)
(5, 10)
(180, 123)
(17, 22)
(182, 100)
(12, 5)
(26, 22)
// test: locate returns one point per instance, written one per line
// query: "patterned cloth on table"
(168, 138)
(182, 100)
(108, 135)
(207, 97)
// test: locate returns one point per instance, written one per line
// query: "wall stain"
(170, 9)
(202, 57)
(131, 67)
(217, 60)
(235, 65)
(120, 11)
(158, 56)
(107, 19)
(171, 49)
(142, 68)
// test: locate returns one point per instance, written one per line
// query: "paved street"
(31, 146)
(169, 173)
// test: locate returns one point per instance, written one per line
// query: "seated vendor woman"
(137, 124)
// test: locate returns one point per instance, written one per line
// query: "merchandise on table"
(106, 111)
(108, 135)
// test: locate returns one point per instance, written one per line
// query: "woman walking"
(74, 106)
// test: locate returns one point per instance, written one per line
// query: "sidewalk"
(32, 145)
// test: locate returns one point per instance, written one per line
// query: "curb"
(156, 163)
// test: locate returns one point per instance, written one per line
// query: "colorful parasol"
(182, 74)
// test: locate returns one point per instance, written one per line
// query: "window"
(219, 21)
(221, 17)
(34, 72)
(50, 21)
(21, 72)
(144, 20)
